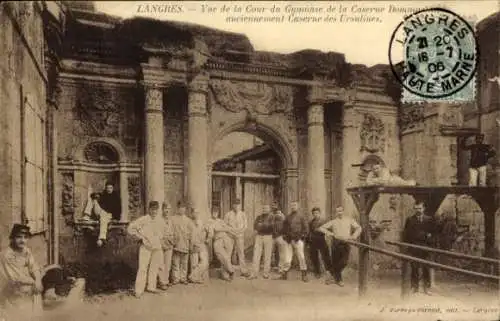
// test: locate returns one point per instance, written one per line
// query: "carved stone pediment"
(411, 118)
(254, 97)
(372, 134)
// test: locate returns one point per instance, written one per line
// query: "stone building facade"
(30, 36)
(141, 103)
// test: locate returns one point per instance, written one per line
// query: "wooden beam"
(424, 262)
(245, 175)
(364, 203)
(444, 252)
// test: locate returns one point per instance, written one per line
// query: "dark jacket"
(277, 222)
(420, 233)
(479, 154)
(295, 227)
(263, 224)
(314, 224)
(111, 203)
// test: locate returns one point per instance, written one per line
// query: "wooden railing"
(405, 288)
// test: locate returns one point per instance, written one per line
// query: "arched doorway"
(246, 167)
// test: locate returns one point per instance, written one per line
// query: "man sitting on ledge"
(382, 176)
(94, 211)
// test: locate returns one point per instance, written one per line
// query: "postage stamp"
(433, 54)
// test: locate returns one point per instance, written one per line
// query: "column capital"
(154, 99)
(154, 76)
(316, 95)
(199, 83)
(197, 101)
(315, 115)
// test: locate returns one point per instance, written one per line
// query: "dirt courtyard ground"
(290, 300)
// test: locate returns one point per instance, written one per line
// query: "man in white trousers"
(295, 231)
(148, 229)
(263, 246)
(168, 242)
(236, 219)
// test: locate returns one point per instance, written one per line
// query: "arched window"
(101, 153)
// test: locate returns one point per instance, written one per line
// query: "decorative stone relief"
(68, 189)
(134, 191)
(197, 103)
(199, 83)
(98, 111)
(102, 153)
(315, 115)
(411, 118)
(452, 116)
(154, 98)
(372, 134)
(174, 144)
(258, 98)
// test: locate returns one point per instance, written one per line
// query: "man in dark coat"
(480, 154)
(419, 230)
(110, 201)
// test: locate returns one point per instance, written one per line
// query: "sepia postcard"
(250, 160)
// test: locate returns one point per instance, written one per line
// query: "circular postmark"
(433, 53)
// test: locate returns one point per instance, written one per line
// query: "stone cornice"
(249, 68)
(161, 77)
(87, 68)
(69, 165)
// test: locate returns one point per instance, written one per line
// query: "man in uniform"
(480, 153)
(236, 219)
(295, 232)
(219, 234)
(342, 228)
(20, 278)
(168, 248)
(149, 229)
(263, 245)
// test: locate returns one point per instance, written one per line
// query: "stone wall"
(370, 131)
(110, 115)
(22, 76)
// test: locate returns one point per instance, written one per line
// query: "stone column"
(124, 193)
(197, 174)
(154, 146)
(316, 189)
(290, 188)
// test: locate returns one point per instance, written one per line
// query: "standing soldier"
(183, 231)
(218, 233)
(277, 221)
(237, 221)
(199, 250)
(295, 231)
(340, 228)
(168, 248)
(317, 243)
(20, 278)
(419, 230)
(149, 229)
(263, 242)
(480, 153)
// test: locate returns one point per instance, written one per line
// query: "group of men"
(178, 248)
